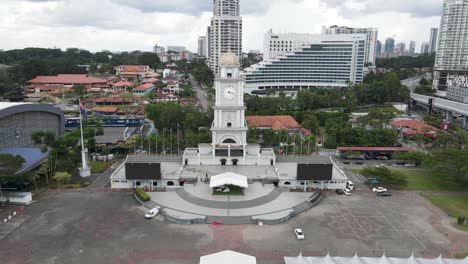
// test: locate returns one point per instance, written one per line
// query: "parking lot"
(106, 227)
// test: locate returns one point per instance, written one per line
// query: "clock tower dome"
(229, 127)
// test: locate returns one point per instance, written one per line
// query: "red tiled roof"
(375, 149)
(273, 122)
(122, 84)
(144, 87)
(69, 79)
(150, 80)
(418, 126)
(133, 68)
(105, 109)
(170, 78)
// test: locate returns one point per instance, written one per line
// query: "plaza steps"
(228, 205)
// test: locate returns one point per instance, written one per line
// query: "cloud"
(120, 25)
(195, 7)
(354, 8)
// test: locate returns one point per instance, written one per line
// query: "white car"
(299, 234)
(152, 213)
(347, 192)
(379, 189)
(350, 185)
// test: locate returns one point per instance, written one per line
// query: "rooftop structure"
(276, 123)
(19, 120)
(64, 82)
(414, 125)
(367, 260)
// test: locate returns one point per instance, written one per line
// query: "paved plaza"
(98, 226)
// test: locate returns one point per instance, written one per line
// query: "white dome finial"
(229, 59)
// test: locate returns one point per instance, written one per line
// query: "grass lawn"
(423, 181)
(463, 227)
(461, 255)
(99, 166)
(234, 190)
(456, 205)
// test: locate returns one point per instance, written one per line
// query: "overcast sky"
(125, 25)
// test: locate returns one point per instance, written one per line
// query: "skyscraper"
(451, 64)
(425, 48)
(226, 31)
(412, 48)
(371, 39)
(202, 46)
(433, 40)
(378, 48)
(389, 45)
(400, 48)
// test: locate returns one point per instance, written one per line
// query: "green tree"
(450, 164)
(385, 175)
(43, 139)
(62, 177)
(79, 90)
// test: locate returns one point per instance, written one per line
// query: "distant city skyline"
(73, 23)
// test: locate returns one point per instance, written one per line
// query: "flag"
(83, 111)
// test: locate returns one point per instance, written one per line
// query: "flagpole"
(84, 171)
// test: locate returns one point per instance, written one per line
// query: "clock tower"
(229, 126)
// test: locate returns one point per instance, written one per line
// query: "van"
(349, 185)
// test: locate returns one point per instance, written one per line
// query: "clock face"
(229, 93)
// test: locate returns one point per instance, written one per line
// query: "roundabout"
(195, 204)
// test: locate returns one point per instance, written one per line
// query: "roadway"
(413, 82)
(201, 94)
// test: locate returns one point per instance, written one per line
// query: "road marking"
(354, 231)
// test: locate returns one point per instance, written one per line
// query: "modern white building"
(452, 49)
(202, 46)
(433, 40)
(457, 88)
(298, 61)
(225, 31)
(158, 49)
(372, 35)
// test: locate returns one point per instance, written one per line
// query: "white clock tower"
(229, 126)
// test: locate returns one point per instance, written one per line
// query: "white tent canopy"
(228, 257)
(228, 178)
(375, 260)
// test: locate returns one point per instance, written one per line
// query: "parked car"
(410, 165)
(347, 192)
(339, 192)
(152, 213)
(387, 194)
(372, 181)
(299, 234)
(379, 189)
(349, 185)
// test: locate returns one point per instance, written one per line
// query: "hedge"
(142, 195)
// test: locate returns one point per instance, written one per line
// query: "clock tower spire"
(229, 127)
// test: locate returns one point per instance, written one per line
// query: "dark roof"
(375, 149)
(32, 156)
(12, 109)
